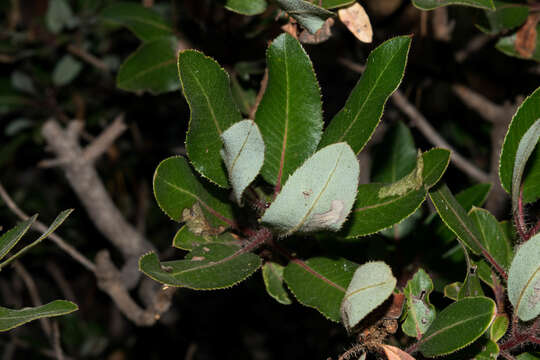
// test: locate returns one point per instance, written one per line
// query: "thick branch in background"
(82, 176)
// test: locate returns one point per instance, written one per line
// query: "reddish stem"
(520, 219)
(493, 262)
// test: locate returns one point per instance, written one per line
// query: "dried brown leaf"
(357, 21)
(526, 37)
(394, 353)
(320, 36)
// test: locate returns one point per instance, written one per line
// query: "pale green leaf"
(58, 16)
(524, 280)
(176, 188)
(457, 326)
(152, 67)
(207, 90)
(356, 122)
(290, 113)
(310, 16)
(420, 312)
(322, 190)
(207, 267)
(186, 240)
(499, 327)
(320, 283)
(145, 23)
(66, 69)
(12, 318)
(451, 291)
(243, 154)
(370, 286)
(273, 280)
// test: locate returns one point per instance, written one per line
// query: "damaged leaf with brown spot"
(357, 21)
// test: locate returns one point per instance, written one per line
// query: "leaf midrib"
(522, 292)
(203, 90)
(147, 70)
(347, 296)
(286, 127)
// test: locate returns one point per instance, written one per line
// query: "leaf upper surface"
(11, 237)
(207, 90)
(362, 112)
(246, 7)
(433, 4)
(10, 318)
(290, 113)
(310, 16)
(273, 280)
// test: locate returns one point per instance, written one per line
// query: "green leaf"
(471, 287)
(332, 4)
(488, 351)
(457, 326)
(273, 280)
(525, 149)
(208, 267)
(246, 7)
(290, 113)
(207, 90)
(484, 271)
(420, 312)
(524, 280)
(310, 16)
(150, 68)
(506, 16)
(320, 283)
(176, 188)
(187, 240)
(402, 229)
(531, 183)
(243, 153)
(395, 157)
(528, 356)
(244, 98)
(10, 319)
(356, 122)
(145, 23)
(499, 327)
(455, 217)
(492, 236)
(11, 237)
(66, 69)
(58, 16)
(412, 181)
(372, 213)
(322, 191)
(370, 286)
(54, 225)
(507, 46)
(451, 291)
(433, 4)
(526, 116)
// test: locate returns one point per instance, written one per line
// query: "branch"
(89, 58)
(484, 107)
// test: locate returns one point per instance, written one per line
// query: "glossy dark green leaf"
(485, 272)
(457, 326)
(402, 229)
(332, 4)
(362, 112)
(145, 23)
(531, 182)
(207, 90)
(323, 190)
(152, 67)
(526, 116)
(507, 46)
(243, 154)
(524, 280)
(66, 69)
(433, 4)
(10, 318)
(372, 213)
(371, 285)
(187, 240)
(246, 7)
(273, 281)
(11, 237)
(290, 113)
(492, 236)
(507, 15)
(207, 267)
(420, 312)
(320, 283)
(176, 188)
(455, 217)
(395, 157)
(310, 16)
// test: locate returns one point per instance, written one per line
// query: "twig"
(34, 295)
(89, 58)
(476, 43)
(426, 129)
(56, 341)
(39, 226)
(484, 107)
(105, 140)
